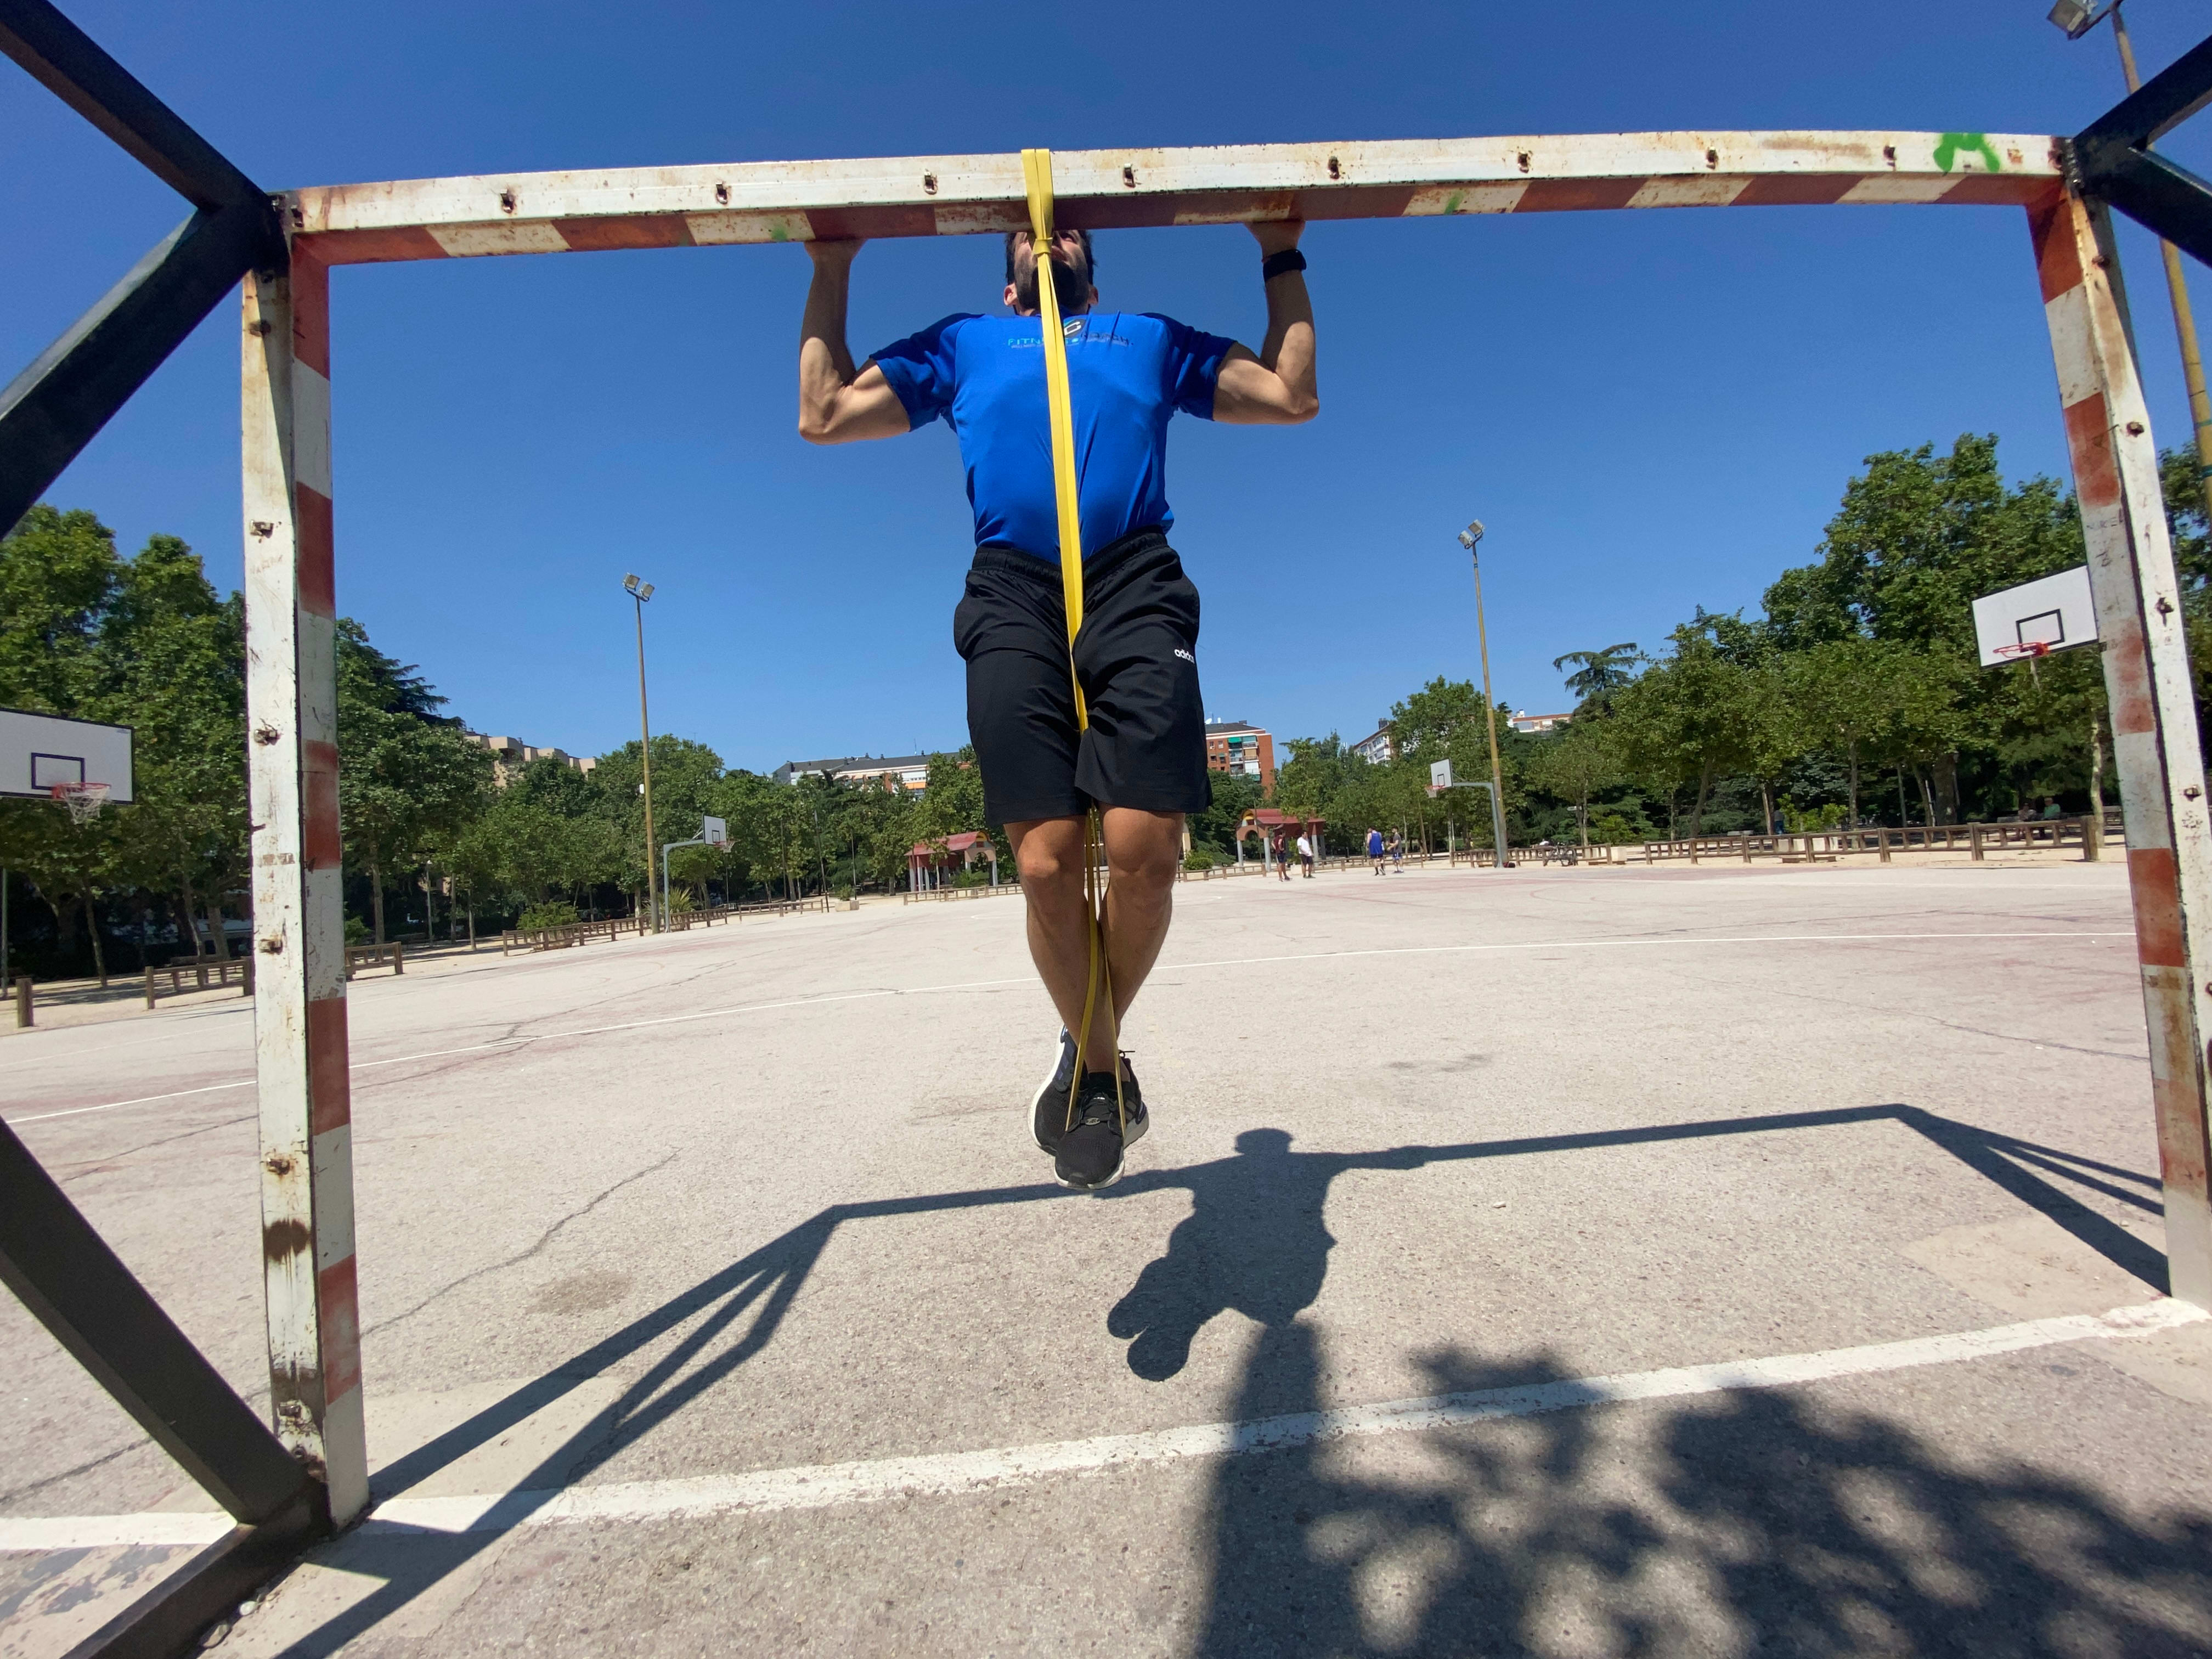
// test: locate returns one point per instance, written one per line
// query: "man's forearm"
(1288, 350)
(825, 361)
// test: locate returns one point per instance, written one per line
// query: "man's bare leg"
(1143, 850)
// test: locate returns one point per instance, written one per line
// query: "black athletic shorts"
(1138, 656)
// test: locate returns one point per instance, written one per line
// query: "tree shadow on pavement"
(1256, 1242)
(1757, 1523)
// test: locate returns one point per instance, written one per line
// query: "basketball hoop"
(83, 800)
(2025, 649)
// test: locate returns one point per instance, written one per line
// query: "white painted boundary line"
(1621, 943)
(823, 1486)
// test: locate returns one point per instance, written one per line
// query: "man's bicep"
(1246, 392)
(869, 408)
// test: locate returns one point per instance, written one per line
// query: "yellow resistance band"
(1036, 177)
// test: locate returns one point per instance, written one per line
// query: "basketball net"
(2025, 649)
(82, 800)
(1036, 177)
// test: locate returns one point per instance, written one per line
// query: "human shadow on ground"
(1270, 1270)
(1752, 1522)
(1256, 1241)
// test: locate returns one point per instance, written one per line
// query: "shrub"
(555, 913)
(357, 931)
(1200, 858)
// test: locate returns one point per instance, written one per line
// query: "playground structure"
(286, 1488)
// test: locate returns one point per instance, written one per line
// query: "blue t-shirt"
(1128, 374)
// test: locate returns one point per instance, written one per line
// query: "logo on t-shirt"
(1072, 327)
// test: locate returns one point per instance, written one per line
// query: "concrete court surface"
(657, 1232)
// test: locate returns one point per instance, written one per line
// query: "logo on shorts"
(1186, 656)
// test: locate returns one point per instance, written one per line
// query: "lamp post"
(642, 592)
(2078, 20)
(1468, 538)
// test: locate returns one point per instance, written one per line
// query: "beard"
(1070, 286)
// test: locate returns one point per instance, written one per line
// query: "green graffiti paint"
(778, 234)
(1452, 202)
(1952, 145)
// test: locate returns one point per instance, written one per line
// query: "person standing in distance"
(1375, 849)
(1142, 761)
(1305, 856)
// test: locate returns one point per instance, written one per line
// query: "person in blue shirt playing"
(1142, 760)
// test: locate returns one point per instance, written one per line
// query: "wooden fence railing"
(362, 958)
(613, 927)
(2088, 833)
(205, 974)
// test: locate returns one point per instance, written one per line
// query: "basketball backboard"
(37, 751)
(2052, 613)
(714, 832)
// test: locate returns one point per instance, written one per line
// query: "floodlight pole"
(1468, 538)
(640, 594)
(2176, 287)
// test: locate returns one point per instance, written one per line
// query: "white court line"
(1626, 942)
(821, 1486)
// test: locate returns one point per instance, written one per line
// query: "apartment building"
(908, 773)
(509, 756)
(1242, 750)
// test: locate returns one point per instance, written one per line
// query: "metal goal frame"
(281, 247)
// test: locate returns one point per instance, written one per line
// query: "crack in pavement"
(86, 1166)
(1937, 1019)
(544, 1239)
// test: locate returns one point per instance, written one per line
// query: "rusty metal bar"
(2154, 734)
(1104, 189)
(299, 942)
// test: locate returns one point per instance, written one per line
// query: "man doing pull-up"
(1142, 760)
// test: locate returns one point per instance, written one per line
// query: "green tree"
(1598, 674)
(1853, 694)
(1577, 763)
(146, 643)
(1689, 719)
(409, 780)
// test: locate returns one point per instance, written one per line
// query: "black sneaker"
(1048, 1111)
(1090, 1154)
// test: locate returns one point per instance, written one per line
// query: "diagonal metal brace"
(2115, 163)
(67, 62)
(54, 408)
(63, 1272)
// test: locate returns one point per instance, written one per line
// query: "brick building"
(1242, 750)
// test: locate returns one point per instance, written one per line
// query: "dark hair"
(1090, 255)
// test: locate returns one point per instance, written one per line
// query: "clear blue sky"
(1651, 410)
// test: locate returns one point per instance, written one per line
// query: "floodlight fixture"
(1471, 535)
(637, 590)
(2078, 19)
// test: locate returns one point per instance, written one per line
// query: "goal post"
(2114, 461)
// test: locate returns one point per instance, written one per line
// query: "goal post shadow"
(766, 1282)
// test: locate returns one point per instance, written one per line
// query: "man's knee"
(1144, 866)
(1049, 856)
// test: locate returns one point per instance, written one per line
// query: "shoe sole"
(1044, 1088)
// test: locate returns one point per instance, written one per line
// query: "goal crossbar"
(750, 202)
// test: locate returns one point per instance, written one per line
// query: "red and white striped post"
(299, 930)
(2154, 737)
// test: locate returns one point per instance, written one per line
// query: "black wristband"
(1276, 264)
